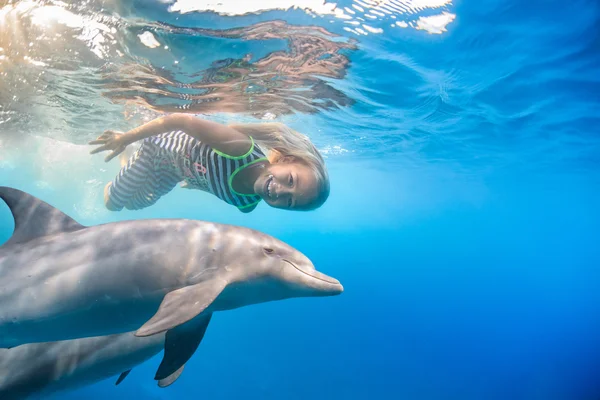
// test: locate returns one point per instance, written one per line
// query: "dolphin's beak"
(331, 285)
(323, 284)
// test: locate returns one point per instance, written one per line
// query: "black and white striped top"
(205, 168)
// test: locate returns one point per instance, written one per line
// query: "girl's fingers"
(107, 135)
(101, 148)
(108, 142)
(112, 155)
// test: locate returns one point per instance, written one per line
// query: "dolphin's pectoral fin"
(181, 305)
(180, 344)
(122, 376)
(163, 383)
(33, 217)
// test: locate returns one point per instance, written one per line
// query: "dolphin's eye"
(268, 250)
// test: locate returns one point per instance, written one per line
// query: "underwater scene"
(299, 199)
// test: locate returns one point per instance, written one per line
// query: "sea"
(463, 147)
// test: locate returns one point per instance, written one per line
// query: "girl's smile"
(269, 190)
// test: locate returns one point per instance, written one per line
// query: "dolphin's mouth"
(315, 274)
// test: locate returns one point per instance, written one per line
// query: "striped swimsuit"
(164, 160)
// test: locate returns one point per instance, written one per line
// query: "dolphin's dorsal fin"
(33, 217)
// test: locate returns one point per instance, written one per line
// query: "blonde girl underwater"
(241, 164)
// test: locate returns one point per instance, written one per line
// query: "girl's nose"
(282, 190)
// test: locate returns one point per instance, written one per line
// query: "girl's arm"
(220, 137)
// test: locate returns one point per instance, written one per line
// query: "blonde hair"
(278, 142)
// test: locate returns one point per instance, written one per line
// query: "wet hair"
(283, 144)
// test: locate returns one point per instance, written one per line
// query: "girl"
(240, 163)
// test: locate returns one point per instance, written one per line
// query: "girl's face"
(287, 185)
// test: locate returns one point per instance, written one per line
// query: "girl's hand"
(110, 140)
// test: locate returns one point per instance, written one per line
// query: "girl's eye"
(291, 180)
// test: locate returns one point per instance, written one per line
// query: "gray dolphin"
(60, 280)
(44, 368)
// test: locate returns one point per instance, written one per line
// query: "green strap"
(238, 157)
(249, 205)
(230, 182)
(232, 176)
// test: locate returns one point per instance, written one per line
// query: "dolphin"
(44, 368)
(60, 280)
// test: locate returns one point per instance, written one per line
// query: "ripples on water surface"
(490, 100)
(497, 85)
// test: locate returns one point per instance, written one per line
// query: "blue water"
(463, 218)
